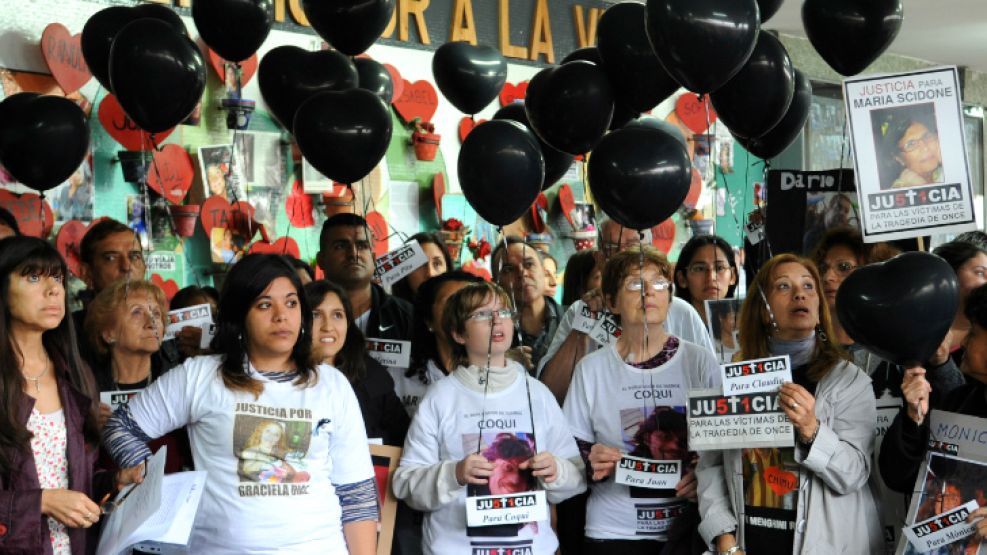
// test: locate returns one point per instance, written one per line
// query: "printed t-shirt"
(411, 389)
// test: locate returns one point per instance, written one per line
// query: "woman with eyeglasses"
(912, 149)
(969, 262)
(706, 271)
(630, 398)
(281, 438)
(813, 497)
(487, 429)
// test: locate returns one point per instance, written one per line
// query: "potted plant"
(454, 234)
(183, 218)
(425, 140)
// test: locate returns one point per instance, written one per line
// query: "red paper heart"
(284, 245)
(67, 243)
(695, 189)
(171, 173)
(397, 82)
(169, 287)
(466, 125)
(438, 191)
(248, 67)
(217, 212)
(511, 93)
(663, 235)
(378, 229)
(123, 129)
(33, 215)
(780, 481)
(299, 207)
(63, 54)
(692, 112)
(417, 100)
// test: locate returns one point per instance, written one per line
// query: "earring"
(821, 334)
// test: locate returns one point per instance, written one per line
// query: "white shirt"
(411, 389)
(271, 461)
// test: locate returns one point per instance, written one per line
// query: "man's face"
(117, 256)
(346, 256)
(522, 272)
(617, 238)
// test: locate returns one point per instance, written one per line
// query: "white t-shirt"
(608, 402)
(271, 461)
(411, 390)
(682, 321)
(447, 428)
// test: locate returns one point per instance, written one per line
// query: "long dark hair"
(246, 281)
(689, 252)
(402, 289)
(22, 256)
(351, 359)
(423, 341)
(577, 273)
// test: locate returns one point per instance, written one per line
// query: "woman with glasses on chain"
(706, 270)
(630, 397)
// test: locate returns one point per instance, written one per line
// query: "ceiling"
(942, 31)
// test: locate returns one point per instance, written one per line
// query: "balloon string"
(843, 149)
(486, 376)
(171, 226)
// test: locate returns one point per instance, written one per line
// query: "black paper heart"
(900, 309)
(288, 76)
(570, 107)
(850, 34)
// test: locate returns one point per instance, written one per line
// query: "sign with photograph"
(738, 421)
(803, 205)
(722, 317)
(913, 178)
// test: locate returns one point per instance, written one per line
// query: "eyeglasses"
(700, 268)
(609, 248)
(634, 285)
(841, 268)
(487, 315)
(926, 139)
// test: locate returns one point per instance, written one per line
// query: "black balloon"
(757, 97)
(662, 125)
(639, 175)
(637, 76)
(102, 27)
(349, 26)
(570, 106)
(556, 161)
(900, 309)
(288, 76)
(470, 77)
(702, 43)
(622, 114)
(343, 134)
(775, 141)
(768, 8)
(43, 139)
(500, 170)
(850, 34)
(374, 77)
(234, 29)
(157, 74)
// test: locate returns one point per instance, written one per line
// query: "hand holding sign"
(542, 465)
(916, 389)
(474, 469)
(800, 406)
(978, 519)
(603, 459)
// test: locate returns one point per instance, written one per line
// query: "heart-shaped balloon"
(67, 242)
(768, 8)
(556, 161)
(775, 141)
(416, 100)
(343, 134)
(902, 308)
(171, 173)
(350, 27)
(289, 75)
(622, 114)
(570, 106)
(43, 139)
(396, 81)
(235, 29)
(374, 77)
(33, 215)
(63, 54)
(470, 77)
(850, 34)
(123, 129)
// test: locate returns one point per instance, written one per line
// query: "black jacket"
(383, 414)
(390, 317)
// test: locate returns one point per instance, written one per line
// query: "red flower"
(452, 224)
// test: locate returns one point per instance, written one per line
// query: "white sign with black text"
(116, 399)
(400, 262)
(737, 421)
(198, 316)
(586, 319)
(390, 352)
(942, 529)
(648, 473)
(763, 375)
(516, 508)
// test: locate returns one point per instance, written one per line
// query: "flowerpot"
(583, 240)
(333, 205)
(426, 145)
(134, 164)
(454, 242)
(238, 112)
(184, 218)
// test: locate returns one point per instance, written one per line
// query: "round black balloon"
(349, 26)
(343, 134)
(900, 309)
(757, 97)
(500, 170)
(470, 77)
(374, 77)
(702, 43)
(622, 114)
(102, 27)
(289, 75)
(157, 74)
(43, 139)
(662, 125)
(570, 106)
(850, 34)
(234, 29)
(637, 76)
(639, 175)
(768, 8)
(556, 161)
(775, 141)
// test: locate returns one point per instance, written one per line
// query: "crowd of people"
(492, 388)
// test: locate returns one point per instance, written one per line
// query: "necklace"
(37, 379)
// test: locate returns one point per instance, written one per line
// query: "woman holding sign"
(812, 497)
(627, 409)
(486, 441)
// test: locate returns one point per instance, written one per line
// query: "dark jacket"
(383, 414)
(23, 529)
(390, 317)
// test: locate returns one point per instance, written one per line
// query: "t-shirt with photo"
(271, 460)
(454, 421)
(642, 412)
(411, 389)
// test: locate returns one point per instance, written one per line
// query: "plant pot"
(426, 145)
(454, 242)
(583, 240)
(333, 205)
(134, 164)
(184, 218)
(238, 112)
